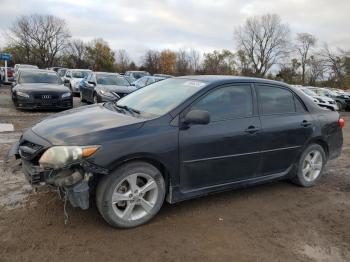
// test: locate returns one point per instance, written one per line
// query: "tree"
(194, 59)
(100, 56)
(40, 37)
(123, 60)
(317, 70)
(167, 62)
(288, 72)
(74, 55)
(263, 39)
(182, 62)
(151, 61)
(219, 62)
(304, 41)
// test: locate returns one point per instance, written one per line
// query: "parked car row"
(328, 98)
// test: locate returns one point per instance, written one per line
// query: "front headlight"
(68, 94)
(22, 94)
(57, 157)
(105, 93)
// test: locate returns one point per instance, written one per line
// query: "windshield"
(108, 79)
(80, 74)
(61, 72)
(161, 97)
(39, 77)
(309, 92)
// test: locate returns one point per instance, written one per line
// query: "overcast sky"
(202, 24)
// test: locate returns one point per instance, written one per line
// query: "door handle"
(252, 129)
(305, 123)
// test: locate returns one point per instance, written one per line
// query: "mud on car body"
(178, 139)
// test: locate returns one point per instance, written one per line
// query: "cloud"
(203, 24)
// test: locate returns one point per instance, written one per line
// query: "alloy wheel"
(312, 165)
(135, 197)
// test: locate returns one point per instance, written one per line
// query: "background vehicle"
(134, 75)
(61, 73)
(178, 139)
(55, 68)
(10, 74)
(37, 88)
(343, 101)
(322, 101)
(23, 66)
(147, 80)
(163, 75)
(102, 87)
(73, 77)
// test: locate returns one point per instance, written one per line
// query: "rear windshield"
(39, 77)
(108, 79)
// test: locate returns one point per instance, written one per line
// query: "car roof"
(76, 69)
(38, 70)
(210, 79)
(105, 73)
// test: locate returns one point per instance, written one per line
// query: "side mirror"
(197, 117)
(66, 81)
(68, 76)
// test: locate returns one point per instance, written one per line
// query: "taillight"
(341, 122)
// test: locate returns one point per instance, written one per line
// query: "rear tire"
(311, 166)
(131, 196)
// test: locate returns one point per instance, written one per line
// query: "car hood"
(85, 125)
(35, 87)
(118, 89)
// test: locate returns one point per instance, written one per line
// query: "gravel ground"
(273, 222)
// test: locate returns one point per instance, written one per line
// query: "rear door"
(286, 127)
(227, 149)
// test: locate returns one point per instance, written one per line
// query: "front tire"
(82, 98)
(340, 106)
(95, 99)
(311, 166)
(131, 196)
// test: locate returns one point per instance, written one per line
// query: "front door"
(225, 150)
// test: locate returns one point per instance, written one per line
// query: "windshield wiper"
(132, 110)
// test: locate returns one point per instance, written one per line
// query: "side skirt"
(176, 195)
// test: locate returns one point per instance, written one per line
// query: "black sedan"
(180, 138)
(103, 87)
(40, 89)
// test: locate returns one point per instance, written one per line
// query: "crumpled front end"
(73, 179)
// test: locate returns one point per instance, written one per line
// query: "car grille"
(45, 96)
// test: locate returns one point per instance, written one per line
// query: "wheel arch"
(150, 159)
(320, 141)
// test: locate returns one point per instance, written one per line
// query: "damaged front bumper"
(73, 180)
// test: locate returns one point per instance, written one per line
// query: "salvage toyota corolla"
(178, 139)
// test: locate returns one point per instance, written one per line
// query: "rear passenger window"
(227, 102)
(275, 100)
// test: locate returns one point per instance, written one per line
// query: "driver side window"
(227, 102)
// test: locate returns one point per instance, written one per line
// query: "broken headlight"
(57, 157)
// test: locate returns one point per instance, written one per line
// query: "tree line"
(264, 47)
